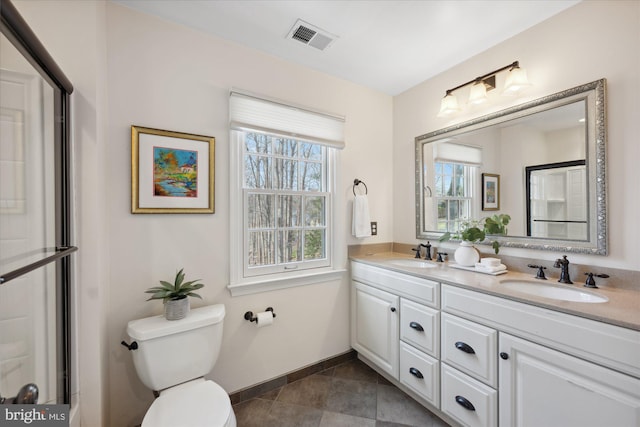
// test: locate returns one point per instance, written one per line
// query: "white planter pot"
(466, 255)
(176, 309)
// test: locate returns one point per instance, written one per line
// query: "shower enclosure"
(35, 217)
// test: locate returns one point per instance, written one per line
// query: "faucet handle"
(540, 274)
(440, 254)
(590, 282)
(417, 251)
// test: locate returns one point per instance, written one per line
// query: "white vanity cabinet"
(482, 360)
(395, 325)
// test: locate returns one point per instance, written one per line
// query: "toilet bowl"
(193, 404)
(173, 357)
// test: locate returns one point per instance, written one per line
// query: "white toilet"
(172, 357)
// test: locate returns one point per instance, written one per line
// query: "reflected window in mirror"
(454, 184)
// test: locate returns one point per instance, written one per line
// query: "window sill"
(261, 284)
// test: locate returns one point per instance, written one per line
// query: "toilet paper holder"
(251, 318)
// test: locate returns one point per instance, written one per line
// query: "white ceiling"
(389, 46)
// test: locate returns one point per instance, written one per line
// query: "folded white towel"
(361, 224)
(488, 269)
(490, 262)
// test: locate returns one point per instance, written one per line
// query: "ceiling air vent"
(311, 35)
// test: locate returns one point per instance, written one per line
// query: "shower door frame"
(18, 32)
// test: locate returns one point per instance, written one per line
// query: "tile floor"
(348, 395)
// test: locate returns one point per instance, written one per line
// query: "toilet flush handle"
(132, 346)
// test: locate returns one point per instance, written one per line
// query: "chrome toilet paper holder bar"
(251, 318)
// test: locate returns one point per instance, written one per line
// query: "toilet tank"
(171, 352)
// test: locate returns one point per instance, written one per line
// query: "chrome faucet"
(563, 265)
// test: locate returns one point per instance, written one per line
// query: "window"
(285, 203)
(282, 194)
(454, 183)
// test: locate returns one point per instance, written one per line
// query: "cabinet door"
(374, 321)
(544, 387)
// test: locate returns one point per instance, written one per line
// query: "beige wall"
(592, 40)
(165, 76)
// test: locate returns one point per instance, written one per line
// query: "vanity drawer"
(420, 327)
(466, 400)
(421, 290)
(420, 373)
(470, 347)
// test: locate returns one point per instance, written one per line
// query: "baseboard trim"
(264, 387)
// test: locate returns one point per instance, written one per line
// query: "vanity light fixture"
(516, 80)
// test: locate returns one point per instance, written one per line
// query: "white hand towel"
(488, 269)
(361, 224)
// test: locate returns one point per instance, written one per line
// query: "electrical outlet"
(374, 228)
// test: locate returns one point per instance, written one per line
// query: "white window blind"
(447, 152)
(262, 115)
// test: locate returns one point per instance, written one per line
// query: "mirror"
(542, 163)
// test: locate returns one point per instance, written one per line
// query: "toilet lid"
(198, 404)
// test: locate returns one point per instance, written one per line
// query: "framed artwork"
(171, 172)
(490, 192)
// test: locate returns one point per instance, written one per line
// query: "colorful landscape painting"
(490, 191)
(175, 172)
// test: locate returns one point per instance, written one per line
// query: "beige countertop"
(621, 309)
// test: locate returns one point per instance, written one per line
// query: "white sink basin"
(413, 263)
(557, 292)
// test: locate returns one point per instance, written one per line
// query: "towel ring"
(357, 182)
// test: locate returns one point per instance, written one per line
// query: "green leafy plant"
(474, 230)
(178, 290)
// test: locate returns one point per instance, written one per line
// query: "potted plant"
(473, 231)
(175, 296)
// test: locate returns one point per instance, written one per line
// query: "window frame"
(243, 282)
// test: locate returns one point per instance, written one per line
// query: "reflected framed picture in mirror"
(490, 192)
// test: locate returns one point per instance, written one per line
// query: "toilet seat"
(197, 403)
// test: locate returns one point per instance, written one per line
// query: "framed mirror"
(542, 163)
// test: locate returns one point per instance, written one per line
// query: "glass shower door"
(33, 307)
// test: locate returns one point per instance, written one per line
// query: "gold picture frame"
(171, 172)
(490, 192)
